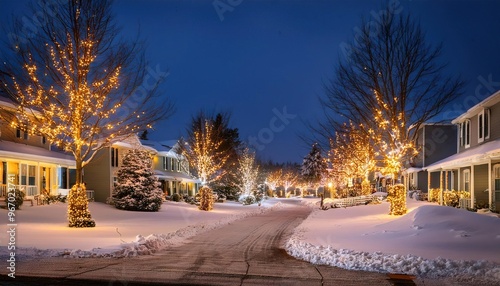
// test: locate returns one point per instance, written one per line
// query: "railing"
(465, 203)
(65, 192)
(352, 201)
(28, 190)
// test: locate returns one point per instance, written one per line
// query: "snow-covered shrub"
(176, 197)
(78, 211)
(18, 198)
(206, 199)
(396, 195)
(52, 199)
(247, 199)
(137, 189)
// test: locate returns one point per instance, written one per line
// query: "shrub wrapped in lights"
(396, 195)
(206, 199)
(78, 211)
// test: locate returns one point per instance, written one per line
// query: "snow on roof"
(20, 151)
(166, 148)
(488, 102)
(176, 176)
(472, 155)
(412, 170)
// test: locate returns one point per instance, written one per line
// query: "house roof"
(488, 102)
(20, 151)
(176, 176)
(166, 148)
(477, 154)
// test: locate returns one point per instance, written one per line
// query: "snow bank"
(430, 241)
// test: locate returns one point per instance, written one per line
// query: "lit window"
(466, 176)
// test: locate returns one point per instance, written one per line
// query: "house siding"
(440, 142)
(494, 122)
(97, 175)
(422, 181)
(480, 185)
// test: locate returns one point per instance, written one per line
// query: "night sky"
(275, 55)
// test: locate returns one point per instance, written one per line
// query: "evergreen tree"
(313, 167)
(137, 188)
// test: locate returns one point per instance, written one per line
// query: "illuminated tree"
(248, 172)
(390, 72)
(313, 168)
(355, 145)
(79, 86)
(274, 179)
(208, 147)
(289, 178)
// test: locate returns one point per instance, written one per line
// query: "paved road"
(246, 252)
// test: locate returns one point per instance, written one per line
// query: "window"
(483, 125)
(18, 133)
(44, 140)
(466, 175)
(165, 163)
(496, 177)
(114, 157)
(178, 165)
(465, 133)
(171, 164)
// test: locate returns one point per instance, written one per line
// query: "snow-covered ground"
(42, 230)
(429, 241)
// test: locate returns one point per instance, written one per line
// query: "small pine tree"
(137, 189)
(313, 166)
(206, 199)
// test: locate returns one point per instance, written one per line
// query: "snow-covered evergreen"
(137, 189)
(313, 166)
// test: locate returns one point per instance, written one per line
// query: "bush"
(51, 199)
(206, 199)
(433, 195)
(17, 198)
(176, 197)
(78, 212)
(247, 199)
(396, 195)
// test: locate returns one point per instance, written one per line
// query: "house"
(475, 167)
(435, 141)
(28, 161)
(100, 174)
(172, 169)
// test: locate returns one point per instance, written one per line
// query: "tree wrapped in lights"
(79, 86)
(206, 199)
(274, 179)
(203, 151)
(137, 188)
(289, 178)
(248, 172)
(354, 145)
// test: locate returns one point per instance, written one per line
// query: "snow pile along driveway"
(430, 241)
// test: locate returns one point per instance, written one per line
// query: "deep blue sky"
(267, 55)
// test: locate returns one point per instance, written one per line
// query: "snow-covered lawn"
(429, 241)
(42, 230)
